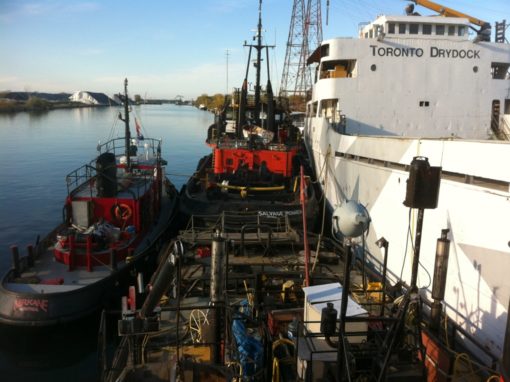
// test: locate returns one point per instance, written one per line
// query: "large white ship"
(425, 86)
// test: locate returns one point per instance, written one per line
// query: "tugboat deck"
(47, 268)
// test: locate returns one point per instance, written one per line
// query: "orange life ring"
(122, 211)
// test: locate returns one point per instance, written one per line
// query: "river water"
(38, 151)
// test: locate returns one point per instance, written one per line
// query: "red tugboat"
(257, 154)
(117, 210)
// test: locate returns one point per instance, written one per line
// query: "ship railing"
(147, 147)
(234, 221)
(80, 176)
(246, 227)
(80, 179)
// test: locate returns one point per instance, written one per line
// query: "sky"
(166, 48)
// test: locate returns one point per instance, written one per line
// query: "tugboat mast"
(127, 134)
(258, 62)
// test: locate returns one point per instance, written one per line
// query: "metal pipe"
(127, 138)
(88, 253)
(343, 309)
(71, 252)
(441, 266)
(15, 260)
(417, 245)
(439, 281)
(31, 255)
(113, 259)
(382, 242)
(216, 295)
(217, 253)
(139, 283)
(305, 231)
(161, 284)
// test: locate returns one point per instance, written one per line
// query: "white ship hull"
(368, 106)
(372, 170)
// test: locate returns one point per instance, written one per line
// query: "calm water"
(38, 151)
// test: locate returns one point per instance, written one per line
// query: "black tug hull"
(200, 205)
(32, 309)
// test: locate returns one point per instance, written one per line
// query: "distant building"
(91, 98)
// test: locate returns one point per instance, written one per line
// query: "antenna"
(227, 54)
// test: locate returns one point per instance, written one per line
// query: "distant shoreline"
(7, 107)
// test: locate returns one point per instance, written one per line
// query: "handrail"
(79, 176)
(117, 146)
(257, 226)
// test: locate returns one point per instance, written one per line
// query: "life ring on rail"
(122, 211)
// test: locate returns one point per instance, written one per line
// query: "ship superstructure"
(422, 86)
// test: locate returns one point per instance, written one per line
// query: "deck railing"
(79, 176)
(117, 146)
(148, 148)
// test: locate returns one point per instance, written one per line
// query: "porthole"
(475, 69)
(373, 68)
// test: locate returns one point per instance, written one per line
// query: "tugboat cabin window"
(499, 70)
(391, 28)
(427, 29)
(338, 69)
(402, 28)
(461, 30)
(413, 28)
(439, 29)
(451, 30)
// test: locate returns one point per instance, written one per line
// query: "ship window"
(424, 103)
(461, 30)
(451, 30)
(439, 29)
(370, 33)
(402, 28)
(314, 109)
(391, 28)
(366, 34)
(507, 107)
(413, 28)
(499, 70)
(329, 110)
(427, 29)
(338, 69)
